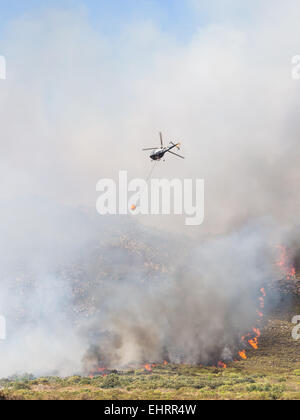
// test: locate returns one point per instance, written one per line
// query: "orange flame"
(284, 263)
(262, 302)
(222, 365)
(254, 343)
(243, 355)
(148, 368)
(257, 332)
(101, 370)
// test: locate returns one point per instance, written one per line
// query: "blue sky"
(178, 17)
(175, 16)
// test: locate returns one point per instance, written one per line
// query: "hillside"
(271, 372)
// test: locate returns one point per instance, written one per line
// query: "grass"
(270, 373)
(167, 383)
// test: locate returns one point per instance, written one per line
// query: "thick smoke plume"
(196, 313)
(80, 291)
(116, 294)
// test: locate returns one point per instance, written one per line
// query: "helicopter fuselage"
(158, 154)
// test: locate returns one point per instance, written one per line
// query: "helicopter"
(158, 153)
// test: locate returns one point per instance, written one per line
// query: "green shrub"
(297, 372)
(74, 380)
(111, 381)
(85, 381)
(18, 386)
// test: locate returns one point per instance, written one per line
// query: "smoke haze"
(78, 105)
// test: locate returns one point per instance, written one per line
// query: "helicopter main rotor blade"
(151, 148)
(175, 154)
(161, 140)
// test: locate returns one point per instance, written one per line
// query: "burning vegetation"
(214, 339)
(248, 341)
(130, 300)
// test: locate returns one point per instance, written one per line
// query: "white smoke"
(78, 105)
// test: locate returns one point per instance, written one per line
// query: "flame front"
(284, 263)
(254, 343)
(253, 340)
(222, 365)
(257, 332)
(243, 355)
(289, 272)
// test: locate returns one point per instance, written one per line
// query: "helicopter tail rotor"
(177, 145)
